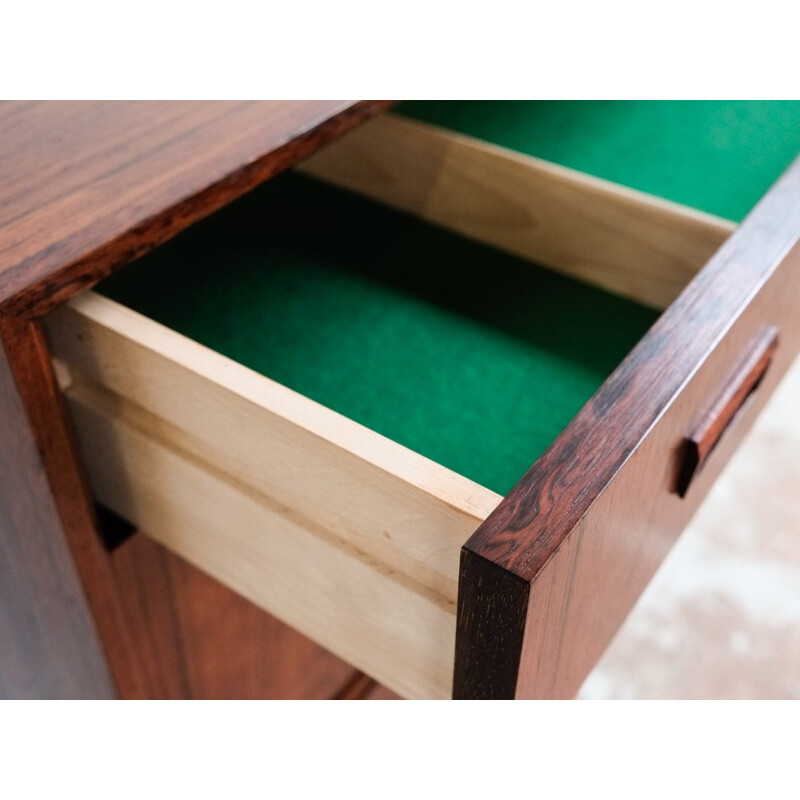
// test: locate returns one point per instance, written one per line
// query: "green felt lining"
(471, 357)
(717, 156)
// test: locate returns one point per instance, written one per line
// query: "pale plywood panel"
(402, 509)
(626, 241)
(363, 611)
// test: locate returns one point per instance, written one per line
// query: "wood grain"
(384, 500)
(716, 419)
(567, 552)
(85, 188)
(490, 629)
(589, 523)
(89, 186)
(50, 642)
(197, 639)
(379, 692)
(359, 606)
(165, 374)
(623, 240)
(362, 687)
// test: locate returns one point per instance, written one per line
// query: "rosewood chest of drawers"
(488, 548)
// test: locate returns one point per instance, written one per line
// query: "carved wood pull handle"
(715, 421)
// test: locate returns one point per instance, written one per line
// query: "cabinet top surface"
(88, 186)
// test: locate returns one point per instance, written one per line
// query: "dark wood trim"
(43, 266)
(719, 416)
(492, 604)
(556, 496)
(50, 647)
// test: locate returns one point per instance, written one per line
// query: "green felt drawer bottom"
(471, 357)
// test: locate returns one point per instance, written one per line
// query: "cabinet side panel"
(50, 647)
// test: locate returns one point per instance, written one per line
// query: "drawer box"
(356, 539)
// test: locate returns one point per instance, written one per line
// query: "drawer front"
(574, 544)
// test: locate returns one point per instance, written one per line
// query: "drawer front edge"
(579, 537)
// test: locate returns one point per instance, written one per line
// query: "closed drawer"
(427, 372)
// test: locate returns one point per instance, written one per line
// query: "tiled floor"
(721, 619)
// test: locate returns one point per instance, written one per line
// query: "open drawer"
(427, 372)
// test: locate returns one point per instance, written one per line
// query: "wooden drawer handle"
(709, 429)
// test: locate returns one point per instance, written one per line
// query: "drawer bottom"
(471, 357)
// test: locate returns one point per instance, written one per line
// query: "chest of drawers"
(331, 407)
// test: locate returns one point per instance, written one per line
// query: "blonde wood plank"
(399, 509)
(369, 616)
(626, 241)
